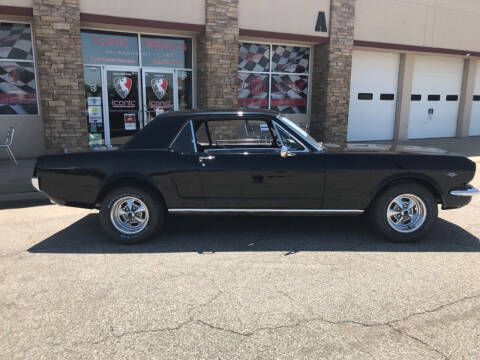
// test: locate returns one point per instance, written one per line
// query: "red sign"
(130, 121)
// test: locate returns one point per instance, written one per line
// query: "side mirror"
(285, 153)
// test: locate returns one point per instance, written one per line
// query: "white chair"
(8, 143)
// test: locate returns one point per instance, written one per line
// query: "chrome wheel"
(406, 213)
(129, 215)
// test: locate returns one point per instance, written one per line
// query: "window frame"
(273, 126)
(33, 60)
(192, 138)
(305, 148)
(269, 73)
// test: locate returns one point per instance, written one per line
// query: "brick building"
(85, 73)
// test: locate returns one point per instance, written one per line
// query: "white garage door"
(436, 87)
(475, 120)
(373, 94)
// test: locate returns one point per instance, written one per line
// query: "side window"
(183, 142)
(229, 134)
(289, 141)
(202, 135)
(240, 132)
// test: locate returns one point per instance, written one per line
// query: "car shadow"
(287, 234)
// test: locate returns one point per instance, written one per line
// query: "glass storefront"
(130, 79)
(94, 103)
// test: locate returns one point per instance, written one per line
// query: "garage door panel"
(437, 82)
(371, 115)
(475, 119)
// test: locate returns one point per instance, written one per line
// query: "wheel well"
(427, 184)
(128, 181)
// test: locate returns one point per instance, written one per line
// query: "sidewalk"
(15, 185)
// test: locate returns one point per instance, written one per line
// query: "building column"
(56, 25)
(217, 56)
(466, 97)
(404, 93)
(331, 76)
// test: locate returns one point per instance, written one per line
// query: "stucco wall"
(184, 11)
(295, 17)
(29, 140)
(24, 3)
(432, 23)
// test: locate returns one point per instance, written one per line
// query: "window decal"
(273, 77)
(16, 41)
(18, 92)
(253, 90)
(289, 93)
(254, 57)
(290, 59)
(166, 52)
(108, 48)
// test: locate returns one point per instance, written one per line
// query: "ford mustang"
(255, 162)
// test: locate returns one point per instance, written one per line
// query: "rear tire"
(404, 212)
(131, 215)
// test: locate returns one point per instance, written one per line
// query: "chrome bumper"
(35, 183)
(471, 191)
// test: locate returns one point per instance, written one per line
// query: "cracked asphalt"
(237, 287)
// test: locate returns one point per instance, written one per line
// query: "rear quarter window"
(183, 142)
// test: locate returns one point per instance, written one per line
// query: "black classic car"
(256, 162)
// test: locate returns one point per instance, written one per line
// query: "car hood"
(386, 149)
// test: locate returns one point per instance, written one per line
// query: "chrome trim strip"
(471, 191)
(194, 140)
(279, 211)
(35, 183)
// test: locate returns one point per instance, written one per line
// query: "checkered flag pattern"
(290, 59)
(253, 57)
(15, 41)
(17, 88)
(289, 93)
(253, 90)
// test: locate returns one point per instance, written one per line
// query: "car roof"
(206, 112)
(159, 132)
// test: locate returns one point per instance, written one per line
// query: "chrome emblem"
(451, 174)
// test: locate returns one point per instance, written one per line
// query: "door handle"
(203, 158)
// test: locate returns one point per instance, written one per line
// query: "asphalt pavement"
(238, 287)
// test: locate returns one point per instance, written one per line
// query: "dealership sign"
(166, 52)
(122, 90)
(109, 48)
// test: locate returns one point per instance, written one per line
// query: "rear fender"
(127, 179)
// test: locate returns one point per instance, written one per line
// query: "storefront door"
(160, 92)
(122, 112)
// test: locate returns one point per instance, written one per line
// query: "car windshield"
(306, 137)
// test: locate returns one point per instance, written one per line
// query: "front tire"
(131, 215)
(404, 212)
